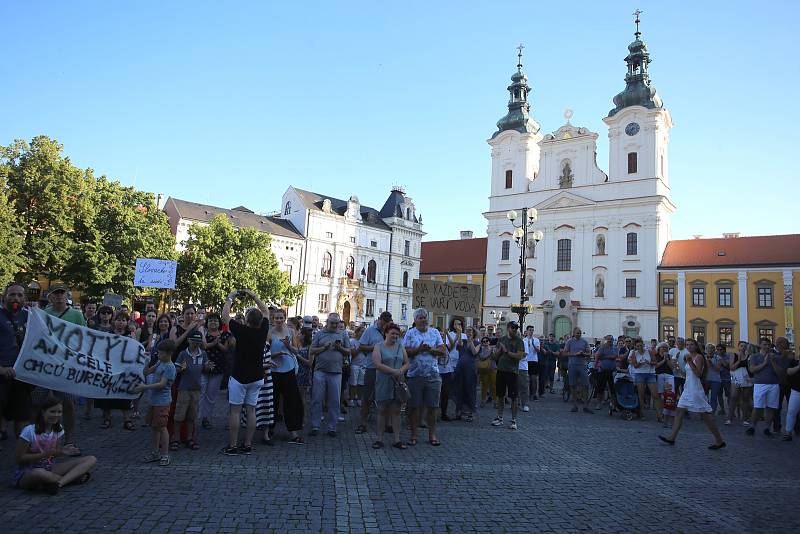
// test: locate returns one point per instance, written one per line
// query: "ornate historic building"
(604, 233)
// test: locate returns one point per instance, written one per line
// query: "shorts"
(507, 385)
(741, 378)
(357, 375)
(158, 416)
(665, 378)
(425, 391)
(243, 394)
(668, 412)
(577, 375)
(766, 396)
(368, 389)
(533, 368)
(15, 400)
(186, 406)
(644, 378)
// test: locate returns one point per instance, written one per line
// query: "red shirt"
(670, 400)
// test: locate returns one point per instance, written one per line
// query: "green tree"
(10, 238)
(220, 258)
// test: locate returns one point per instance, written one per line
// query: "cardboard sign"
(110, 299)
(448, 297)
(66, 357)
(155, 273)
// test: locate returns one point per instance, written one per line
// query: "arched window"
(350, 268)
(372, 271)
(405, 278)
(327, 262)
(632, 244)
(288, 209)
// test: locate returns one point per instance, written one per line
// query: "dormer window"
(408, 213)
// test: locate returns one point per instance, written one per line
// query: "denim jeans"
(714, 388)
(209, 392)
(326, 387)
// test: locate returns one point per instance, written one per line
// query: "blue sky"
(230, 103)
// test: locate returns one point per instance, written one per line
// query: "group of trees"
(64, 223)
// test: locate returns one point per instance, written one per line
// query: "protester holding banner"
(37, 450)
(90, 313)
(15, 396)
(120, 323)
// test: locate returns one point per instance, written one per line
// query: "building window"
(503, 288)
(408, 248)
(373, 244)
(633, 243)
(329, 235)
(725, 335)
(505, 250)
(725, 297)
(668, 331)
(630, 287)
(322, 303)
(372, 271)
(765, 297)
(509, 179)
(698, 296)
(288, 272)
(632, 162)
(564, 257)
(349, 270)
(668, 296)
(370, 308)
(404, 312)
(768, 333)
(405, 278)
(352, 239)
(288, 208)
(327, 262)
(699, 333)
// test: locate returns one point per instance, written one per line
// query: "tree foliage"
(10, 238)
(83, 230)
(220, 258)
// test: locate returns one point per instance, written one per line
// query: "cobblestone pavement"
(559, 472)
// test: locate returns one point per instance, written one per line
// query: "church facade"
(604, 233)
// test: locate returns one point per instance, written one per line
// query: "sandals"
(377, 445)
(128, 425)
(361, 429)
(83, 479)
(192, 444)
(106, 424)
(469, 419)
(173, 445)
(297, 440)
(667, 440)
(412, 442)
(164, 461)
(206, 424)
(435, 442)
(151, 457)
(400, 445)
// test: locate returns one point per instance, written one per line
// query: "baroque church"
(604, 233)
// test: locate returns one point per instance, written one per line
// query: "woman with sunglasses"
(121, 320)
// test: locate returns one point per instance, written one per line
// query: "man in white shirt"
(532, 348)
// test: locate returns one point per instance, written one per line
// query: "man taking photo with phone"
(328, 350)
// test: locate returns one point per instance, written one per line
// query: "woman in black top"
(741, 401)
(218, 344)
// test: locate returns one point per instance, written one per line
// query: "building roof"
(755, 251)
(456, 256)
(369, 216)
(240, 217)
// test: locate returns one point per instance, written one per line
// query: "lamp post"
(526, 220)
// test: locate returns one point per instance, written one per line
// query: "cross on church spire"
(636, 14)
(520, 48)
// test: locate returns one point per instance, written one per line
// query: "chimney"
(160, 201)
(466, 234)
(731, 235)
(698, 236)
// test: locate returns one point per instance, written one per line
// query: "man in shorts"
(577, 349)
(424, 346)
(15, 396)
(372, 336)
(510, 351)
(767, 371)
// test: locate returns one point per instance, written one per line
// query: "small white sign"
(155, 273)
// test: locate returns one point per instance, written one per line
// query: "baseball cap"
(307, 321)
(58, 287)
(512, 324)
(385, 316)
(196, 336)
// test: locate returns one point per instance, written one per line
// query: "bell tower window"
(509, 179)
(633, 162)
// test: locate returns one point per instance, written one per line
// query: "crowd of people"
(305, 374)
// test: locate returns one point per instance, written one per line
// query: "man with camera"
(15, 396)
(328, 350)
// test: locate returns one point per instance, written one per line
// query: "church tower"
(639, 124)
(515, 144)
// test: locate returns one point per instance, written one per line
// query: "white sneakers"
(513, 425)
(498, 421)
(526, 408)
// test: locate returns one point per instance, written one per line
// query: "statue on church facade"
(599, 287)
(601, 245)
(565, 180)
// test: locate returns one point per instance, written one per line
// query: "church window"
(564, 256)
(372, 271)
(632, 244)
(408, 248)
(630, 287)
(405, 278)
(288, 209)
(327, 262)
(505, 251)
(633, 162)
(509, 179)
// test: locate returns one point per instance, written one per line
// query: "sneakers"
(745, 423)
(331, 433)
(787, 437)
(526, 408)
(340, 418)
(314, 432)
(513, 425)
(245, 449)
(230, 451)
(727, 422)
(164, 461)
(497, 421)
(750, 431)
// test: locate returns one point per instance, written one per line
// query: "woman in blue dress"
(391, 363)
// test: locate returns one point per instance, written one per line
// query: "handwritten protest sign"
(155, 273)
(448, 297)
(75, 359)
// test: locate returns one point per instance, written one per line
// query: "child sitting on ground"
(160, 398)
(191, 363)
(670, 402)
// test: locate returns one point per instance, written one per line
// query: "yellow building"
(458, 260)
(730, 289)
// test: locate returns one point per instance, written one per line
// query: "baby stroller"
(627, 397)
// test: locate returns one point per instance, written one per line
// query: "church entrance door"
(562, 327)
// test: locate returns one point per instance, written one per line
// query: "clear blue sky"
(230, 103)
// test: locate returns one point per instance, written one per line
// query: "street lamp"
(529, 216)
